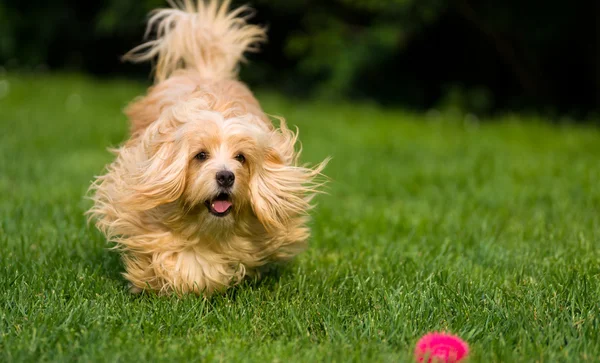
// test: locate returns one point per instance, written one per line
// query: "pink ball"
(441, 348)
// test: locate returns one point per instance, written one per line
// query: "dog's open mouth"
(220, 206)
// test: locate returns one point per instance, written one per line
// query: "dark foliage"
(480, 55)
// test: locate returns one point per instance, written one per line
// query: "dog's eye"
(241, 158)
(202, 155)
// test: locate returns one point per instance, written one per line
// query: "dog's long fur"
(151, 201)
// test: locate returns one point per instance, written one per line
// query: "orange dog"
(206, 190)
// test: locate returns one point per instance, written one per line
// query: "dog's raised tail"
(201, 35)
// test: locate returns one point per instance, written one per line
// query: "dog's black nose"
(225, 178)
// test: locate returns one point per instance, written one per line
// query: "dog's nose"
(225, 178)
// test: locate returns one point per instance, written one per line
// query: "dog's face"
(223, 154)
(220, 170)
(219, 174)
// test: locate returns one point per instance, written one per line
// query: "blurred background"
(480, 56)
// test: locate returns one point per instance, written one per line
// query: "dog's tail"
(203, 36)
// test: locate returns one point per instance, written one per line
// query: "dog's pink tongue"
(221, 206)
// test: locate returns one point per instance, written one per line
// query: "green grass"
(488, 230)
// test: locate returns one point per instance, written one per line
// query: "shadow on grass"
(102, 256)
(268, 280)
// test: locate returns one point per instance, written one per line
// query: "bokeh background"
(480, 56)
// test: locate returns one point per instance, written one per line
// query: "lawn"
(490, 230)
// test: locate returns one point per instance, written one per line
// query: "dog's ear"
(153, 171)
(281, 190)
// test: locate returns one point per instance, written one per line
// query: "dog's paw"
(134, 289)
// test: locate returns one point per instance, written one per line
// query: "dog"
(207, 190)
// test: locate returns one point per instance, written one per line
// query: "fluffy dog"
(206, 190)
